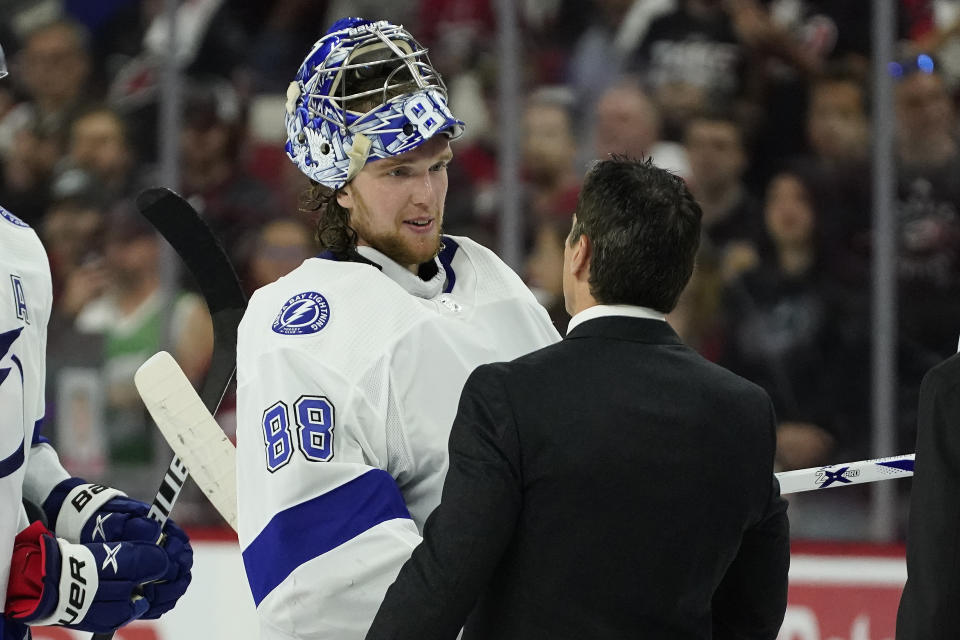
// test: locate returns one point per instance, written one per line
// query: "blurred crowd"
(763, 106)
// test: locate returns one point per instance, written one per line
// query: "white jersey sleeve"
(25, 301)
(347, 387)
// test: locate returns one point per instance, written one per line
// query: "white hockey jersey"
(348, 380)
(28, 466)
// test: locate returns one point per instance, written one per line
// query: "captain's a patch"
(19, 299)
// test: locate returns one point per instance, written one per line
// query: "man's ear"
(580, 253)
(345, 197)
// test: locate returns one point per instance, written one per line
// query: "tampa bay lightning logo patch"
(12, 219)
(304, 313)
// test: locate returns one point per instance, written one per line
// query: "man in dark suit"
(929, 605)
(616, 484)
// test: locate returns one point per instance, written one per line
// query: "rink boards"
(837, 592)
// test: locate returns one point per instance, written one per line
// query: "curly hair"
(334, 232)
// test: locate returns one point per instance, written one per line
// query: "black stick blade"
(205, 258)
(197, 246)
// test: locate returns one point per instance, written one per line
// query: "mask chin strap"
(358, 153)
(293, 95)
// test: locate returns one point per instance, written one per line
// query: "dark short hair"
(644, 230)
(718, 115)
(741, 121)
(110, 112)
(841, 74)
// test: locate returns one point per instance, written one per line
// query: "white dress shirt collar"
(601, 310)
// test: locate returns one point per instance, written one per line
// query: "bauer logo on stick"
(304, 313)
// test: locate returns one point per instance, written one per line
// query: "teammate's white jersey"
(348, 383)
(28, 466)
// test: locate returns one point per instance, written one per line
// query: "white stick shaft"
(191, 431)
(198, 441)
(846, 474)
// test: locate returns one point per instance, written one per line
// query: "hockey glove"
(90, 513)
(10, 630)
(89, 587)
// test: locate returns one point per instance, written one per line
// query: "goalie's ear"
(345, 196)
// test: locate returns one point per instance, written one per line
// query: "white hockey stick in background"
(197, 439)
(846, 474)
(191, 431)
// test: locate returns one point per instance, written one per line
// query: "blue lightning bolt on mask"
(328, 138)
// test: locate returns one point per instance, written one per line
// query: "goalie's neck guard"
(330, 141)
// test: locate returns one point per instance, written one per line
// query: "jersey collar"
(411, 282)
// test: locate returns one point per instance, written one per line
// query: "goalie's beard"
(394, 244)
(394, 248)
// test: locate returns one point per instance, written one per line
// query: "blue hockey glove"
(164, 593)
(10, 630)
(89, 587)
(88, 513)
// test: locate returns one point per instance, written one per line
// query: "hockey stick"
(191, 431)
(205, 258)
(196, 437)
(846, 474)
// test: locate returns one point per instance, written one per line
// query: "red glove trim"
(27, 567)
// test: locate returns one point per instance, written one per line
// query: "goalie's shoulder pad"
(482, 273)
(326, 302)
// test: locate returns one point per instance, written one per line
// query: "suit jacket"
(613, 485)
(930, 604)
